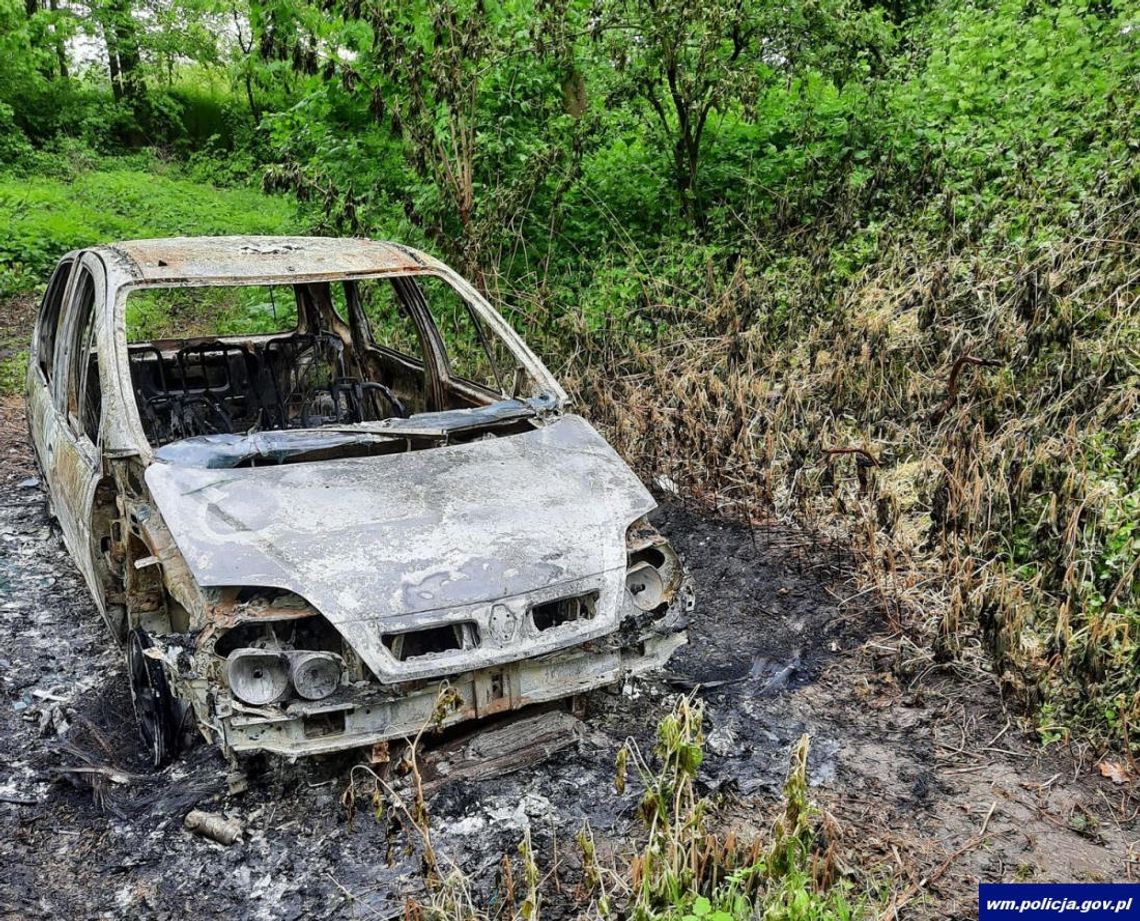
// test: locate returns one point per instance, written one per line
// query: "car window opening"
(321, 355)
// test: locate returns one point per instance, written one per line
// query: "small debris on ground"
(213, 826)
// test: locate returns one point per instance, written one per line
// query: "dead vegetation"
(688, 861)
(966, 414)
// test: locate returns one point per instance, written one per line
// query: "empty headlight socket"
(653, 573)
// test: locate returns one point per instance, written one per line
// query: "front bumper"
(312, 728)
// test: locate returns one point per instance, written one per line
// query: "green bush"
(1024, 102)
(14, 144)
(43, 217)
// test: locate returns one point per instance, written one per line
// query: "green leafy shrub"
(14, 145)
(42, 218)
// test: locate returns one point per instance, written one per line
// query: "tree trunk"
(254, 114)
(60, 45)
(129, 60)
(120, 32)
(113, 70)
(106, 25)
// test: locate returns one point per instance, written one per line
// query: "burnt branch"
(952, 384)
(862, 455)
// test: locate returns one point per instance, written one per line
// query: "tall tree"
(59, 41)
(468, 93)
(120, 31)
(690, 60)
(686, 59)
(457, 80)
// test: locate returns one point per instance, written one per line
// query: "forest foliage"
(867, 266)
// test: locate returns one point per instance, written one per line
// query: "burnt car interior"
(324, 354)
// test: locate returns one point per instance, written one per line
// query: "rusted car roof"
(186, 259)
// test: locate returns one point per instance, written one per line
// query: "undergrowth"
(939, 365)
(967, 413)
(690, 864)
(689, 868)
(71, 199)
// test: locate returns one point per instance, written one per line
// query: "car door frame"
(77, 464)
(42, 414)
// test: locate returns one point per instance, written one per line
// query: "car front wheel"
(153, 702)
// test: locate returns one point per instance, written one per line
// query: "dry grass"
(967, 417)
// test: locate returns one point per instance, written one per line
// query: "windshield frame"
(549, 390)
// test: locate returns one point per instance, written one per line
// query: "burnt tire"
(153, 703)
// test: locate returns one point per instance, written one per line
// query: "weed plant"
(690, 865)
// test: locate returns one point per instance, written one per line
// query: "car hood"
(369, 539)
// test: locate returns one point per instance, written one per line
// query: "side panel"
(75, 465)
(42, 415)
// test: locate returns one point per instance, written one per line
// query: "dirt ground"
(932, 785)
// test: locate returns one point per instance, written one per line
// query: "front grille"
(564, 611)
(431, 641)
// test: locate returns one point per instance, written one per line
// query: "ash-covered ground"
(931, 785)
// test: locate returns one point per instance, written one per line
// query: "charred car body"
(310, 482)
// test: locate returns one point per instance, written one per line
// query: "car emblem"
(503, 624)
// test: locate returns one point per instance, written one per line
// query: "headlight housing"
(654, 573)
(281, 647)
(316, 675)
(258, 676)
(644, 583)
(265, 676)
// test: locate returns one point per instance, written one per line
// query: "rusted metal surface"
(490, 546)
(190, 259)
(360, 721)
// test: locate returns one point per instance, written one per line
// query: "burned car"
(312, 482)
